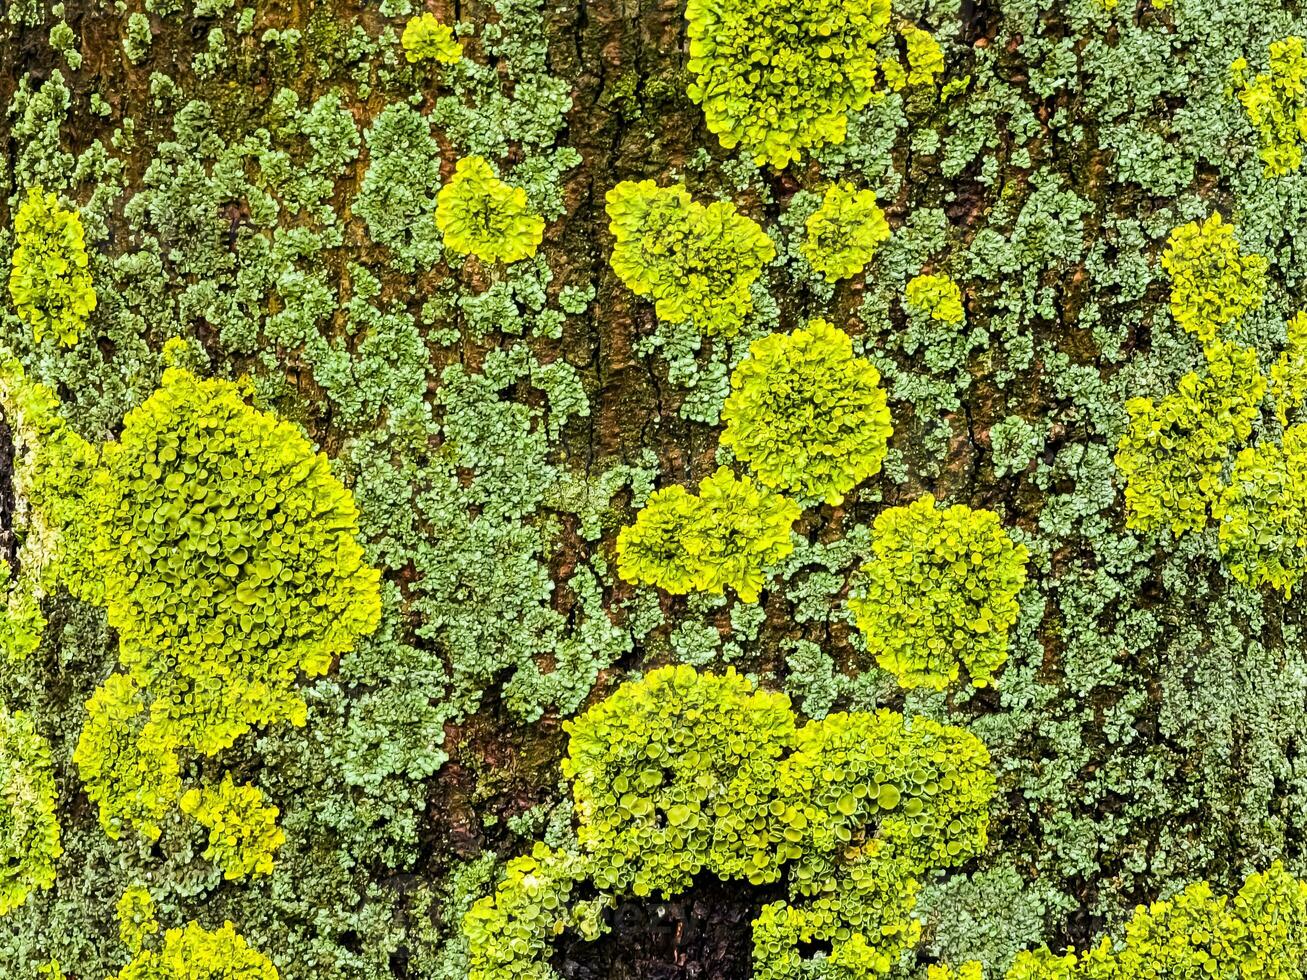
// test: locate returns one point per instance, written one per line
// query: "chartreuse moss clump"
(922, 786)
(478, 213)
(425, 38)
(136, 918)
(1261, 932)
(806, 414)
(844, 232)
(683, 773)
(724, 536)
(1174, 452)
(656, 549)
(780, 78)
(937, 297)
(925, 60)
(127, 762)
(967, 971)
(1289, 372)
(509, 935)
(940, 593)
(230, 561)
(1263, 513)
(1213, 282)
(51, 475)
(696, 262)
(1276, 103)
(29, 827)
(664, 766)
(1157, 4)
(243, 831)
(49, 281)
(226, 554)
(196, 953)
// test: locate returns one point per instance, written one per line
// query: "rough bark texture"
(1147, 729)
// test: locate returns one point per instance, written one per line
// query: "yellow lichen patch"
(1213, 281)
(49, 282)
(696, 262)
(722, 537)
(243, 831)
(425, 38)
(1276, 103)
(478, 213)
(806, 414)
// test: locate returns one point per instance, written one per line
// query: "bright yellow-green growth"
(655, 551)
(230, 561)
(844, 232)
(864, 915)
(1213, 282)
(136, 921)
(925, 60)
(478, 213)
(780, 77)
(1173, 455)
(509, 935)
(21, 621)
(129, 766)
(970, 970)
(427, 39)
(53, 468)
(52, 471)
(806, 415)
(1259, 934)
(849, 772)
(658, 766)
(937, 297)
(940, 593)
(29, 829)
(1276, 103)
(1263, 513)
(695, 262)
(1157, 4)
(1289, 372)
(681, 774)
(49, 282)
(196, 953)
(243, 831)
(723, 537)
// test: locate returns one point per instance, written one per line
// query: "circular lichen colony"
(780, 77)
(230, 561)
(425, 38)
(655, 767)
(941, 593)
(806, 414)
(480, 214)
(697, 262)
(724, 536)
(844, 232)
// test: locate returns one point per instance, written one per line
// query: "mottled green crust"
(262, 182)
